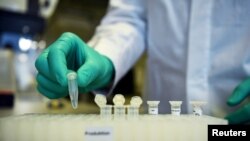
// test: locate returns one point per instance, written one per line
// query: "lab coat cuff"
(106, 48)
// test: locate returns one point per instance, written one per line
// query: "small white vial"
(175, 107)
(153, 107)
(119, 108)
(133, 108)
(73, 88)
(100, 100)
(197, 107)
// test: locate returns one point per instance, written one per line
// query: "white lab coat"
(196, 50)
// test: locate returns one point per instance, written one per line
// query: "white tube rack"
(65, 127)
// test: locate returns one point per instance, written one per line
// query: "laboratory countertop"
(35, 103)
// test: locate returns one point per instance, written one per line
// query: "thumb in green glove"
(241, 115)
(69, 53)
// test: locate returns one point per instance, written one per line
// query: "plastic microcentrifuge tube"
(153, 107)
(133, 111)
(175, 107)
(119, 108)
(73, 89)
(100, 100)
(133, 108)
(106, 111)
(197, 110)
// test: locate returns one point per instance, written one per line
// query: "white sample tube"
(197, 110)
(133, 108)
(133, 111)
(153, 107)
(119, 108)
(119, 112)
(73, 88)
(175, 107)
(106, 111)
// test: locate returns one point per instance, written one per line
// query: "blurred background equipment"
(21, 22)
(7, 79)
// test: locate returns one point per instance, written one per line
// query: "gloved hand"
(240, 93)
(69, 53)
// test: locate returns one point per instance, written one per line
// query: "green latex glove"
(68, 53)
(242, 115)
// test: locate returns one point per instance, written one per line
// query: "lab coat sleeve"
(121, 35)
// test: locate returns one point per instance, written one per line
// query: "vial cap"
(153, 103)
(100, 100)
(119, 100)
(136, 101)
(71, 75)
(175, 103)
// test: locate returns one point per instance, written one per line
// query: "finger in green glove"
(69, 53)
(240, 93)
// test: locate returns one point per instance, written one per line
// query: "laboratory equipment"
(132, 112)
(7, 78)
(73, 88)
(65, 127)
(136, 101)
(119, 100)
(175, 107)
(133, 108)
(84, 127)
(119, 108)
(119, 111)
(106, 112)
(100, 100)
(153, 107)
(197, 107)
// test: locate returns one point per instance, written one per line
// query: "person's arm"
(117, 44)
(121, 34)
